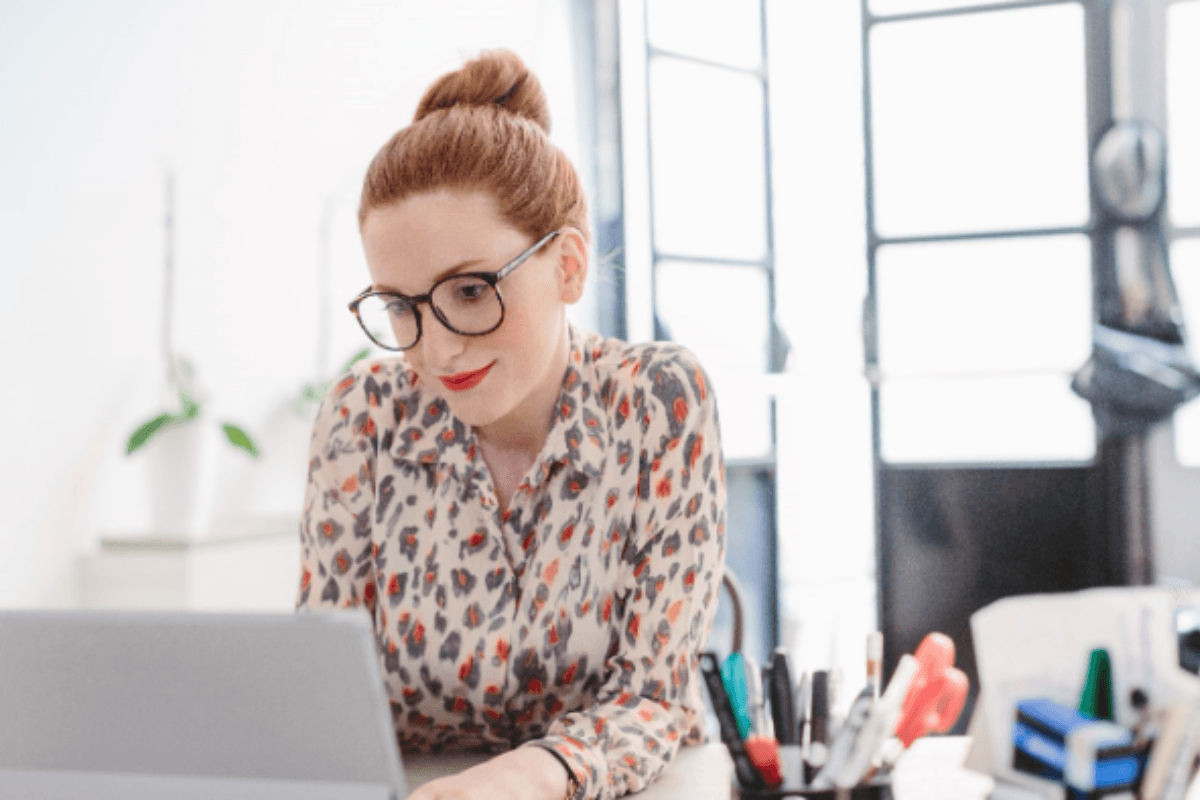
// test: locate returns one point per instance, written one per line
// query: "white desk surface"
(699, 772)
(930, 770)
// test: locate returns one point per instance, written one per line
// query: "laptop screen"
(208, 698)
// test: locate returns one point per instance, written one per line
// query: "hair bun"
(496, 77)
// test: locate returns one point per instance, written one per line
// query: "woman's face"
(413, 244)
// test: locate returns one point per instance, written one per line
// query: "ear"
(572, 265)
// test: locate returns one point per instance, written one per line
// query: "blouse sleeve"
(336, 555)
(664, 605)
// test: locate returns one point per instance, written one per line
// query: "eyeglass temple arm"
(516, 262)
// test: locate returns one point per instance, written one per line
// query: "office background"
(726, 160)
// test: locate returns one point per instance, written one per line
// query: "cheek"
(413, 359)
(535, 317)
(522, 339)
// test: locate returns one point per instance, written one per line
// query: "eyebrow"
(459, 267)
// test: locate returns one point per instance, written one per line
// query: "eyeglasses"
(468, 303)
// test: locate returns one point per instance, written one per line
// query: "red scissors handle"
(936, 696)
(935, 708)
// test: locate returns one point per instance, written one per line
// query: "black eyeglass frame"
(492, 278)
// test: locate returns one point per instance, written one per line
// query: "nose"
(439, 345)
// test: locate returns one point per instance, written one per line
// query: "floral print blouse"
(573, 621)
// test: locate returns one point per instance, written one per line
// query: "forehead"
(431, 232)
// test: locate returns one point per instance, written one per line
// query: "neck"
(524, 429)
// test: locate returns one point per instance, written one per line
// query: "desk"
(930, 770)
(699, 772)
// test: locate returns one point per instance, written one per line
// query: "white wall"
(266, 113)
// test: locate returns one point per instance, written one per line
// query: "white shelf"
(244, 565)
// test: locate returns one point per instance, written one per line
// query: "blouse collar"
(575, 438)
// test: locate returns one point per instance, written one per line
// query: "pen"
(747, 775)
(879, 725)
(804, 699)
(783, 715)
(844, 743)
(818, 724)
(783, 703)
(761, 746)
(874, 663)
(733, 675)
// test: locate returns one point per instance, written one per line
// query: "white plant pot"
(268, 486)
(177, 477)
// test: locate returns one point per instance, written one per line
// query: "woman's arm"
(336, 555)
(663, 608)
(527, 773)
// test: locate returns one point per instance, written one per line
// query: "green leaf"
(148, 429)
(357, 357)
(191, 409)
(239, 438)
(310, 393)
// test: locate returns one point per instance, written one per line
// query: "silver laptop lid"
(252, 697)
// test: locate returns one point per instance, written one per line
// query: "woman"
(533, 516)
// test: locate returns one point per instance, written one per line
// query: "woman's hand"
(527, 773)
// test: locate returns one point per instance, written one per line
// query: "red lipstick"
(465, 380)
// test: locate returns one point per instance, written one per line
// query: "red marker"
(761, 745)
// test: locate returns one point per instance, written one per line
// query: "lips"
(465, 380)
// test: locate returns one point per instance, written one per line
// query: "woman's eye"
(399, 308)
(471, 291)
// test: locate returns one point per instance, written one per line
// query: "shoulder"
(352, 399)
(657, 381)
(650, 366)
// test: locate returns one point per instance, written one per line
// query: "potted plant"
(175, 443)
(176, 446)
(189, 411)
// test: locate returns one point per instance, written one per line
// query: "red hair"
(483, 127)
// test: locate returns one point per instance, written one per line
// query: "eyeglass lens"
(466, 304)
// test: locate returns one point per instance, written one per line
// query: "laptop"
(113, 705)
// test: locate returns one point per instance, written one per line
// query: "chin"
(483, 408)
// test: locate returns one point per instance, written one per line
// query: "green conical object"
(1097, 699)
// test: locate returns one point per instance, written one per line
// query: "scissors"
(936, 695)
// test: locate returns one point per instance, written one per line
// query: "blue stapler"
(1092, 757)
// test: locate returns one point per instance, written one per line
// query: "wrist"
(554, 779)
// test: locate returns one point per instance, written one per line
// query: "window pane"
(979, 122)
(986, 305)
(971, 420)
(1183, 111)
(707, 160)
(1185, 268)
(717, 30)
(721, 313)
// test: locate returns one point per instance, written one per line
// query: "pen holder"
(879, 789)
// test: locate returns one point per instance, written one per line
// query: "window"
(743, 220)
(981, 259)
